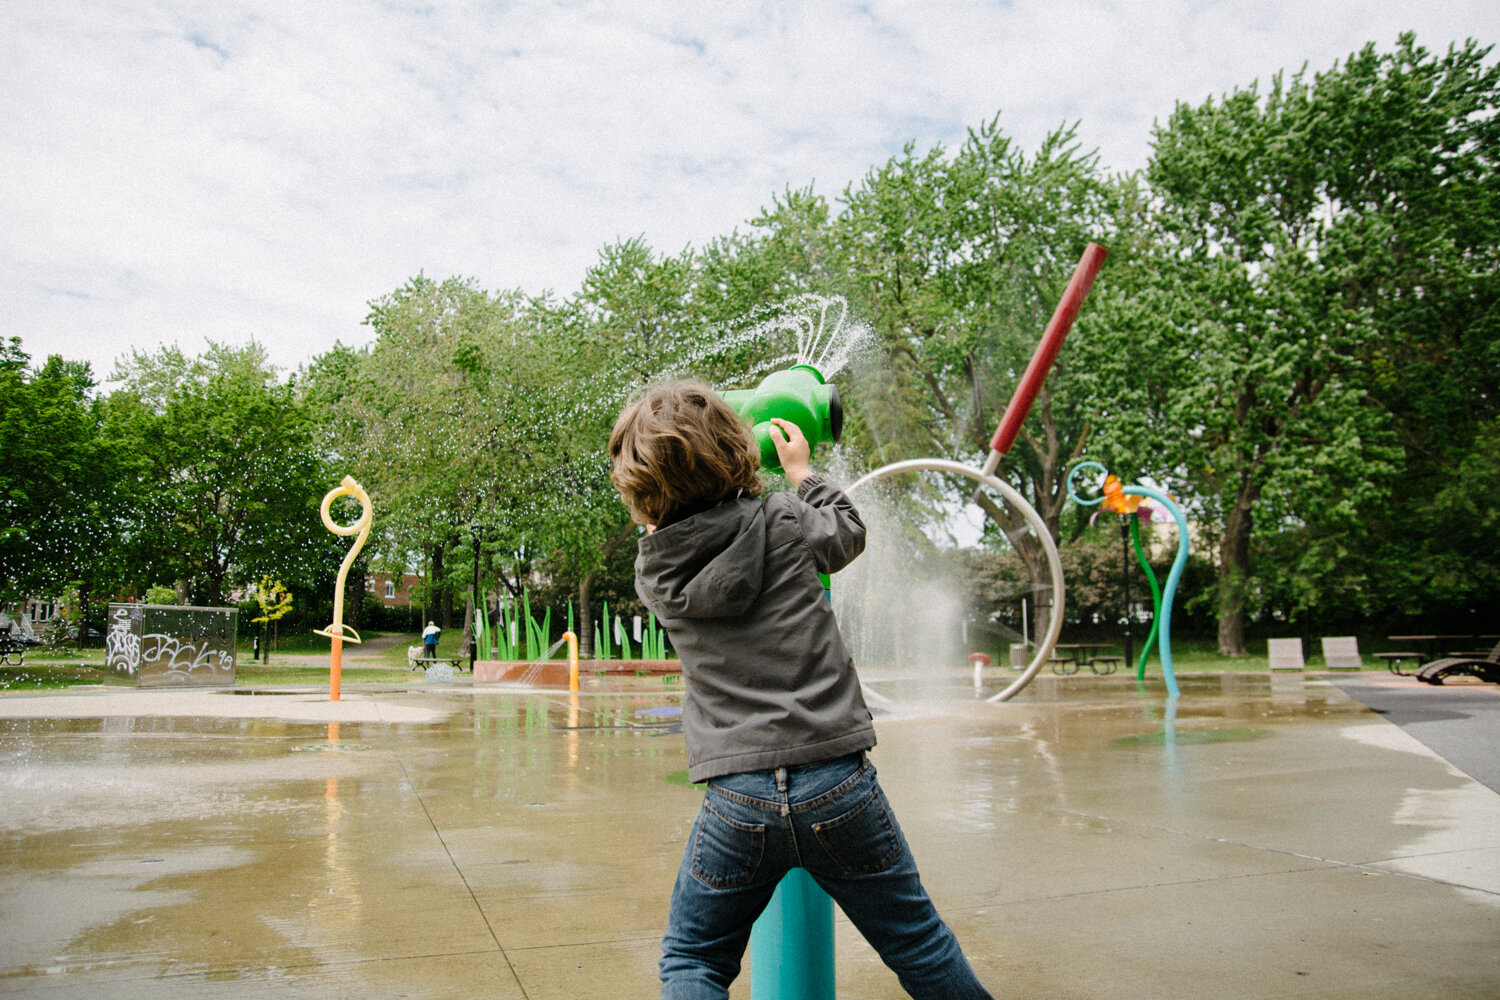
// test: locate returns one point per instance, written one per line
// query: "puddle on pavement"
(1189, 736)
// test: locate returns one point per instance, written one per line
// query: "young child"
(773, 716)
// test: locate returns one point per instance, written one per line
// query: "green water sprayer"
(798, 394)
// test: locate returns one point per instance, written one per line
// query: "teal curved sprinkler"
(1169, 592)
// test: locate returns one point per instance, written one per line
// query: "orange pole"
(336, 669)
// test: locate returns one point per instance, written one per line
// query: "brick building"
(393, 590)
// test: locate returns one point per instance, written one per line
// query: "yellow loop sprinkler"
(338, 631)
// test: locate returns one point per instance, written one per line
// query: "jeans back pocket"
(864, 840)
(726, 852)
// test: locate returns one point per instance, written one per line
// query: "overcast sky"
(175, 171)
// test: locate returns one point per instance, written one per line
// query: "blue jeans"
(832, 819)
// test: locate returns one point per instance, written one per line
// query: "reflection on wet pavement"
(1260, 836)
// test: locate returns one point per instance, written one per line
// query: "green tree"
(959, 260)
(274, 601)
(60, 482)
(443, 420)
(633, 321)
(232, 479)
(1419, 193)
(639, 318)
(1298, 227)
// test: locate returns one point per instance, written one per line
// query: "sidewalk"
(1274, 838)
(354, 653)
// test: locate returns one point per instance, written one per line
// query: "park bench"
(1062, 664)
(1069, 658)
(1285, 654)
(423, 662)
(1105, 664)
(9, 647)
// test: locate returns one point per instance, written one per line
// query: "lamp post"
(1125, 576)
(474, 625)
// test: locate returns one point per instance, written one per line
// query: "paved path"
(1460, 720)
(370, 649)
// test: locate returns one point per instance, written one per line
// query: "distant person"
(773, 715)
(430, 640)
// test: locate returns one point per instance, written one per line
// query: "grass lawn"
(55, 670)
(1201, 656)
(265, 675)
(52, 670)
(39, 674)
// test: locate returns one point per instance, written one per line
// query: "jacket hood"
(707, 566)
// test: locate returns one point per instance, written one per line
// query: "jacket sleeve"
(829, 523)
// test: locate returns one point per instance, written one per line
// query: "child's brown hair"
(681, 447)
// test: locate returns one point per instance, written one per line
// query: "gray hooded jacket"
(769, 683)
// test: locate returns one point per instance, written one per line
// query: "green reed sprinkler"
(797, 394)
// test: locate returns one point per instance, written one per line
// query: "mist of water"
(900, 607)
(905, 609)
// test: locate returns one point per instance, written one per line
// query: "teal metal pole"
(791, 945)
(1164, 638)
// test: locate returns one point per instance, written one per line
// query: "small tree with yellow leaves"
(274, 601)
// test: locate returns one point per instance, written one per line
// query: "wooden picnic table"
(1433, 647)
(456, 662)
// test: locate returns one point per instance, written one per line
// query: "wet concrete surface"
(1263, 836)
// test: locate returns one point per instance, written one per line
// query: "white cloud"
(180, 171)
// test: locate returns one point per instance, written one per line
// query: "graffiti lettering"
(161, 645)
(174, 655)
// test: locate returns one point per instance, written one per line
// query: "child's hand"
(793, 450)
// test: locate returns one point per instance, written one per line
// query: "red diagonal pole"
(1046, 353)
